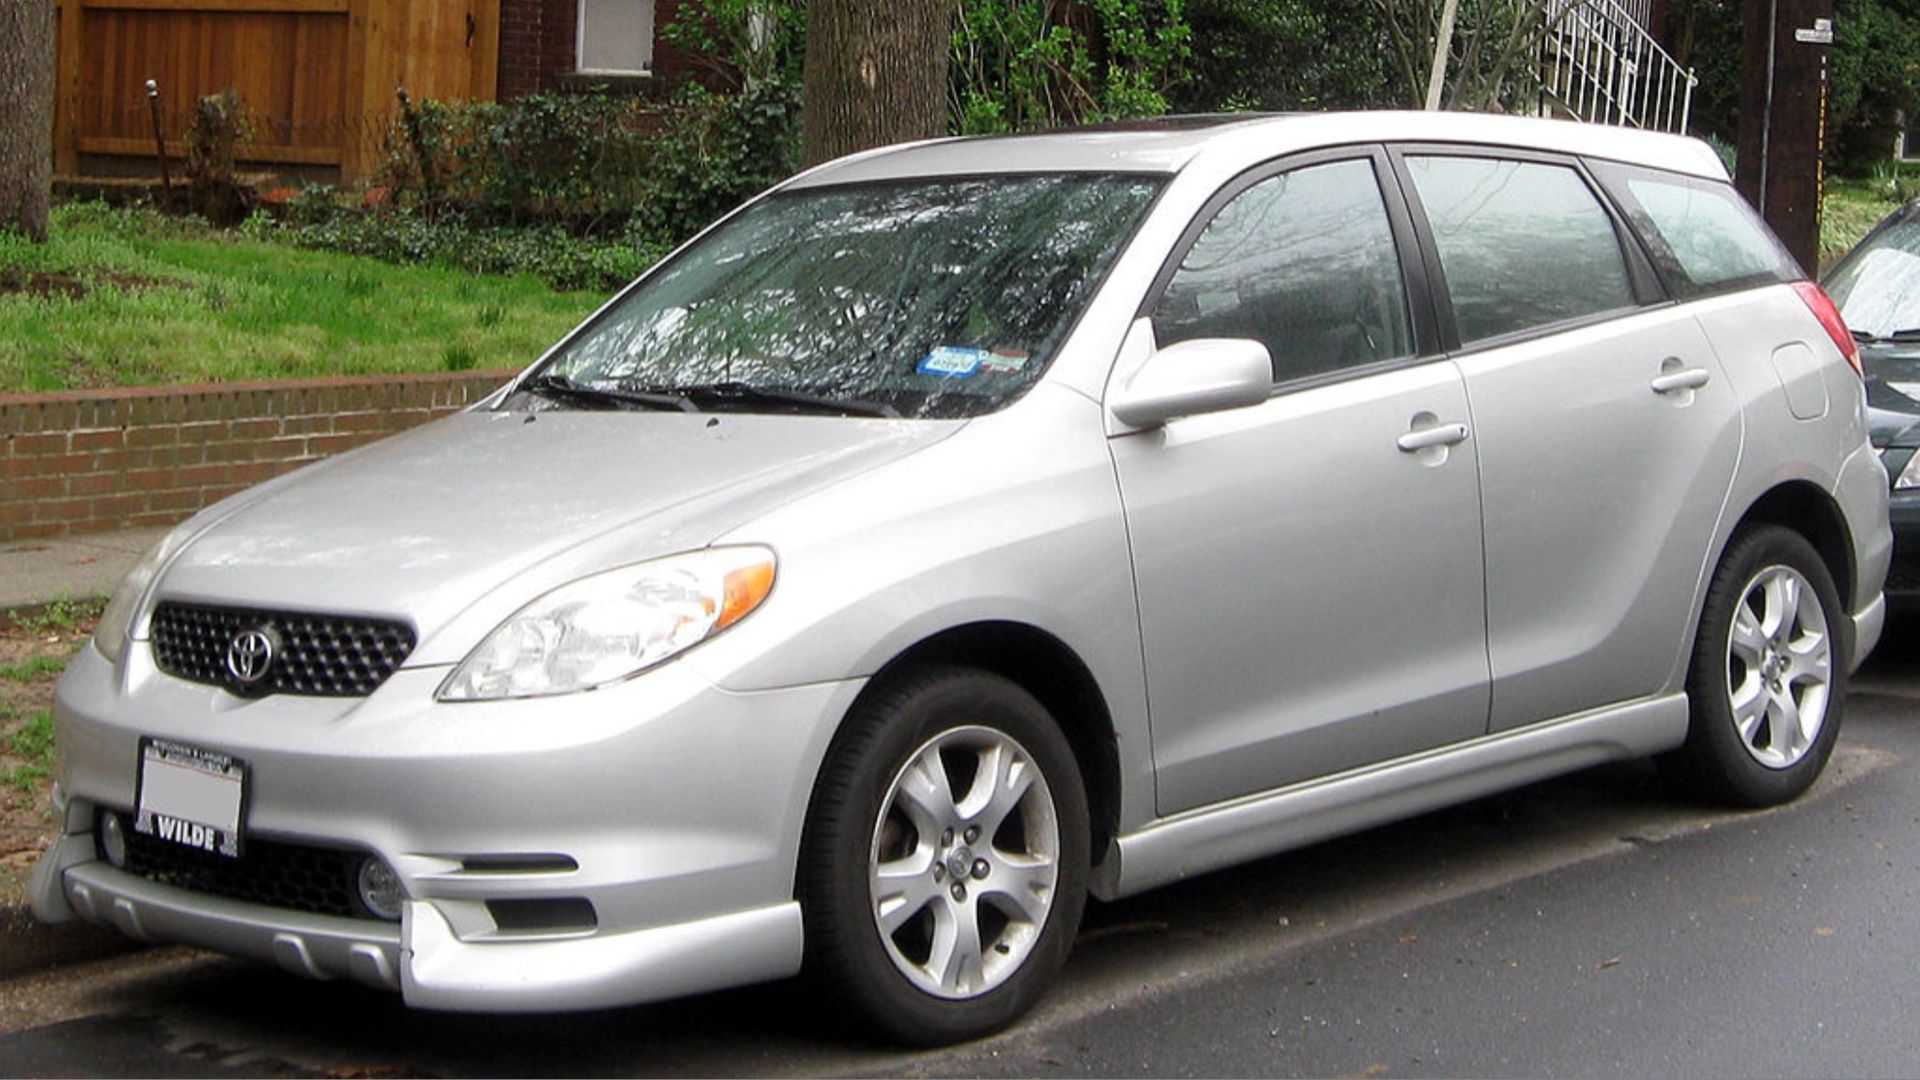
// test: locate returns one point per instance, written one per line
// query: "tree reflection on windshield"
(935, 298)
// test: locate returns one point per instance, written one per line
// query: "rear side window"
(1523, 244)
(1702, 235)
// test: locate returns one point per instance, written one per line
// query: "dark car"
(1877, 286)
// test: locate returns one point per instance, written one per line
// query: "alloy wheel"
(965, 862)
(1779, 667)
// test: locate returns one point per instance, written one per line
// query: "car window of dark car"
(1303, 262)
(1523, 244)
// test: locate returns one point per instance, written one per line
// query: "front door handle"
(1689, 379)
(1438, 435)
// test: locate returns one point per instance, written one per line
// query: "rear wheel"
(945, 863)
(1768, 676)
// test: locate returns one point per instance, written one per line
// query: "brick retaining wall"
(96, 460)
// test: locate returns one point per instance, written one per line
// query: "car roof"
(1171, 144)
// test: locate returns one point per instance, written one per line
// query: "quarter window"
(1522, 244)
(1702, 234)
(1303, 262)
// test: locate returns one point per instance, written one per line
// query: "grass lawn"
(35, 644)
(129, 298)
(1849, 209)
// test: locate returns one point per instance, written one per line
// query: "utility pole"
(1783, 117)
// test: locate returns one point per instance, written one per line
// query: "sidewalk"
(71, 567)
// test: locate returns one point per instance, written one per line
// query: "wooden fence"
(318, 76)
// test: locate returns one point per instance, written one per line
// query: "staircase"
(1598, 63)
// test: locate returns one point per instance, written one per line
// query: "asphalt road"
(1592, 926)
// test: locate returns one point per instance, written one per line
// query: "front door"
(1309, 569)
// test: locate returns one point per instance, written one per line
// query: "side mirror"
(1192, 377)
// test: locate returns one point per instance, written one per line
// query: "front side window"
(943, 297)
(1522, 244)
(1303, 262)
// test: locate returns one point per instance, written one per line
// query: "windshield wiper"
(563, 387)
(740, 392)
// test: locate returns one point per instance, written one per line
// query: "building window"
(615, 37)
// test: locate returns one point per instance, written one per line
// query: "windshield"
(927, 298)
(1878, 290)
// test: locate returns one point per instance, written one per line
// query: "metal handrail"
(1600, 64)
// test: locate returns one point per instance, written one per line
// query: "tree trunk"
(26, 117)
(876, 73)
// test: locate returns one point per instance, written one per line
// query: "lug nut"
(959, 891)
(979, 869)
(939, 871)
(946, 838)
(973, 833)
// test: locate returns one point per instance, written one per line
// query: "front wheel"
(945, 862)
(1768, 676)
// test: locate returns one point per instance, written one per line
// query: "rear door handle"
(1438, 435)
(1689, 379)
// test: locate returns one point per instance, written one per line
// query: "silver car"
(964, 528)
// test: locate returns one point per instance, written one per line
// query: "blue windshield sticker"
(953, 362)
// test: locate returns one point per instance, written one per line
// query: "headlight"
(1910, 475)
(116, 620)
(613, 625)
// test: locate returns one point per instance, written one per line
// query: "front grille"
(319, 880)
(318, 655)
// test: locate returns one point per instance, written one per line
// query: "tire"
(1767, 684)
(944, 866)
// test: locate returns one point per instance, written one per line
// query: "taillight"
(1823, 309)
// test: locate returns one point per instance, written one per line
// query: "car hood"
(422, 525)
(1893, 393)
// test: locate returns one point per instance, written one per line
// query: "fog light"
(380, 891)
(113, 840)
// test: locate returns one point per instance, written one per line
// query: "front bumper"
(671, 807)
(433, 968)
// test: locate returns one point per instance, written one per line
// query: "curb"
(29, 947)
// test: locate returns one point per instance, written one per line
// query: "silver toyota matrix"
(961, 529)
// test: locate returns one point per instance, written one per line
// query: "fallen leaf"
(1823, 931)
(1607, 963)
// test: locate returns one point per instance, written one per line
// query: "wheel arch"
(1804, 507)
(1046, 667)
(1809, 510)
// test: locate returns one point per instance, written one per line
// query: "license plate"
(191, 797)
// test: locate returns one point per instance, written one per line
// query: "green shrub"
(716, 151)
(578, 161)
(554, 255)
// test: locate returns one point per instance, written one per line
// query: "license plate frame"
(191, 797)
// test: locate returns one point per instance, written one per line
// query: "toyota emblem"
(251, 653)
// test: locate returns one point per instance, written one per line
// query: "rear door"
(1606, 432)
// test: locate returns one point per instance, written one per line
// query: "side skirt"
(1248, 828)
